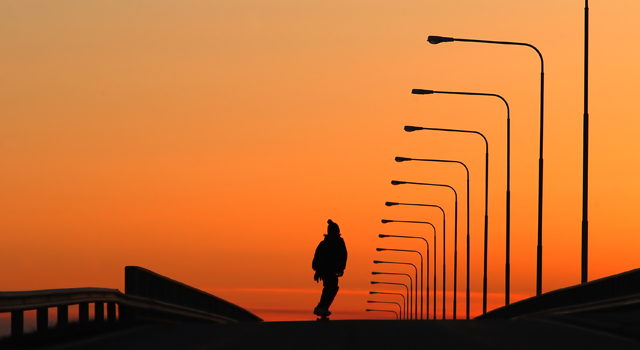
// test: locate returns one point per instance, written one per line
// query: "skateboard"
(323, 318)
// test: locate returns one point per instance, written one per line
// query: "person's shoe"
(320, 311)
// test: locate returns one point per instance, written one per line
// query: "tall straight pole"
(434, 264)
(540, 172)
(434, 273)
(486, 235)
(435, 270)
(507, 266)
(585, 152)
(455, 262)
(468, 246)
(421, 286)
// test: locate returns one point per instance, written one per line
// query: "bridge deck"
(362, 334)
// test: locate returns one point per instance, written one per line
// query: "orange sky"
(210, 141)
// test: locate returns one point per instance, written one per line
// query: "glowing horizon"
(211, 141)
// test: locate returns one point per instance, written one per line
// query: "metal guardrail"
(628, 302)
(149, 297)
(41, 300)
(147, 284)
(130, 307)
(603, 293)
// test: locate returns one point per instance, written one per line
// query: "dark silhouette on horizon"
(329, 262)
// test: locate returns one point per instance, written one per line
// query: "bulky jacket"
(330, 256)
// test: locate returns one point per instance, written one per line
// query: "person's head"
(333, 229)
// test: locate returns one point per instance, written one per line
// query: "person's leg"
(330, 284)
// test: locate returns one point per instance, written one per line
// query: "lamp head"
(374, 282)
(422, 92)
(402, 159)
(395, 182)
(373, 292)
(383, 236)
(409, 128)
(390, 204)
(381, 249)
(377, 262)
(375, 273)
(433, 39)
(385, 222)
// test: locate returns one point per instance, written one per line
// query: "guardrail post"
(83, 311)
(99, 311)
(63, 315)
(17, 323)
(125, 312)
(111, 311)
(42, 319)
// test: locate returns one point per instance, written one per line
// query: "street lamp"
(416, 271)
(584, 277)
(440, 39)
(484, 283)
(455, 246)
(395, 284)
(421, 274)
(376, 310)
(385, 302)
(404, 159)
(403, 301)
(410, 289)
(508, 206)
(435, 251)
(427, 242)
(486, 215)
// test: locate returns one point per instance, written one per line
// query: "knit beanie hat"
(333, 228)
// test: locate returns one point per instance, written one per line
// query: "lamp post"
(385, 302)
(403, 300)
(377, 310)
(508, 206)
(585, 153)
(416, 271)
(486, 214)
(435, 246)
(421, 274)
(404, 159)
(455, 249)
(395, 284)
(410, 289)
(439, 39)
(427, 242)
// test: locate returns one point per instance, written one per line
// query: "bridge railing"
(41, 300)
(148, 297)
(147, 284)
(607, 292)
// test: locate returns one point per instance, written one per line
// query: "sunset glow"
(210, 142)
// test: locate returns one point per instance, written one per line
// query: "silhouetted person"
(329, 262)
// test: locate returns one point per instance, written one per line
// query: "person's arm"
(317, 262)
(343, 258)
(317, 257)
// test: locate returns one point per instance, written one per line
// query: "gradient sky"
(210, 141)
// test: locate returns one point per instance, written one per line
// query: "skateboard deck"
(323, 318)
